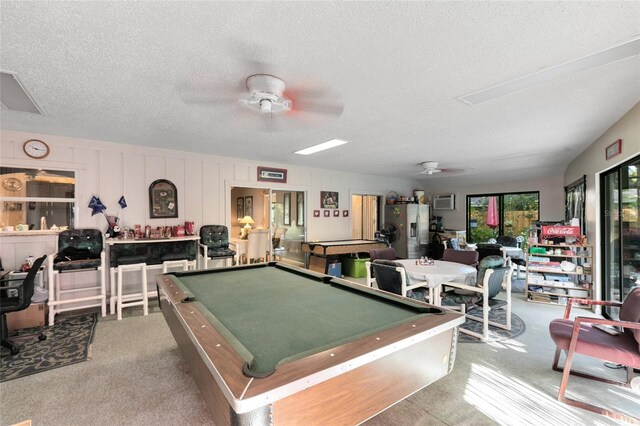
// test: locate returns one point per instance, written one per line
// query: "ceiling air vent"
(13, 95)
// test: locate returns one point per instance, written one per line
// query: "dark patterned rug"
(496, 334)
(68, 342)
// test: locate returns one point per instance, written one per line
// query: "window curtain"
(574, 200)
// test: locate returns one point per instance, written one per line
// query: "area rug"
(496, 334)
(68, 342)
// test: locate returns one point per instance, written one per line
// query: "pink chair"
(582, 337)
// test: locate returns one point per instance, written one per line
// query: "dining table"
(434, 274)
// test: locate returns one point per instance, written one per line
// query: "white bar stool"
(134, 299)
(184, 264)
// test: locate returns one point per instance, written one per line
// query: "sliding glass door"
(620, 232)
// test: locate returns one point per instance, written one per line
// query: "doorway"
(288, 225)
(620, 233)
(365, 220)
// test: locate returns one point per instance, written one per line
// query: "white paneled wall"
(110, 170)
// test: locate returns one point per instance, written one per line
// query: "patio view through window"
(491, 215)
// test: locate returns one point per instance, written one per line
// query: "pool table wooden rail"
(330, 248)
(332, 386)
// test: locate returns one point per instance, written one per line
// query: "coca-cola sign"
(560, 231)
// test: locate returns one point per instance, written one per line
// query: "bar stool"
(113, 282)
(179, 259)
(126, 264)
(184, 264)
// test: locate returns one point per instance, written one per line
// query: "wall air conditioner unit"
(444, 202)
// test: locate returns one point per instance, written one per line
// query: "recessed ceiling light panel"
(321, 147)
(13, 95)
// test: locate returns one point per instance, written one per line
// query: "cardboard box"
(34, 316)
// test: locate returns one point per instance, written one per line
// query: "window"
(491, 215)
(27, 196)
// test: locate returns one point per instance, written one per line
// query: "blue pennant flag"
(97, 207)
(93, 202)
(122, 202)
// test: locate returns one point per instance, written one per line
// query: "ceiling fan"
(280, 105)
(431, 167)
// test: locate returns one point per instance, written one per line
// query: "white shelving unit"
(547, 282)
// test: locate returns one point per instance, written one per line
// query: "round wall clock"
(35, 148)
(12, 184)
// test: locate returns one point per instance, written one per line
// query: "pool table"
(318, 252)
(276, 344)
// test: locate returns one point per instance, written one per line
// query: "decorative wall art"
(345, 213)
(268, 174)
(300, 208)
(287, 209)
(328, 200)
(163, 199)
(613, 149)
(327, 213)
(248, 206)
(316, 213)
(336, 213)
(239, 208)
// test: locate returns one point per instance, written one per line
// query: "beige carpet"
(137, 377)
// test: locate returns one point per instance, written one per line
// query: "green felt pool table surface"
(278, 344)
(273, 315)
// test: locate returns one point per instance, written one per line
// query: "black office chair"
(17, 297)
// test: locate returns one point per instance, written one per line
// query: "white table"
(440, 272)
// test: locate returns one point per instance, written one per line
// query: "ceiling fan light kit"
(430, 167)
(266, 94)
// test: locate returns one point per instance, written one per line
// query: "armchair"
(467, 257)
(492, 277)
(79, 250)
(581, 336)
(17, 297)
(214, 244)
(390, 276)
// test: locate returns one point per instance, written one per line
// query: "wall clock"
(35, 148)
(12, 184)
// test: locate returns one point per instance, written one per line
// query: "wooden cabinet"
(559, 272)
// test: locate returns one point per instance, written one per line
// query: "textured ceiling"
(167, 74)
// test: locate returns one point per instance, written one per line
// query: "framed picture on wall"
(248, 206)
(328, 200)
(345, 213)
(336, 213)
(300, 208)
(287, 209)
(240, 208)
(163, 199)
(316, 213)
(327, 213)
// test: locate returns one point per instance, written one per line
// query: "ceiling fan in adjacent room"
(431, 168)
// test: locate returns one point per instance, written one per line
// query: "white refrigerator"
(408, 228)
